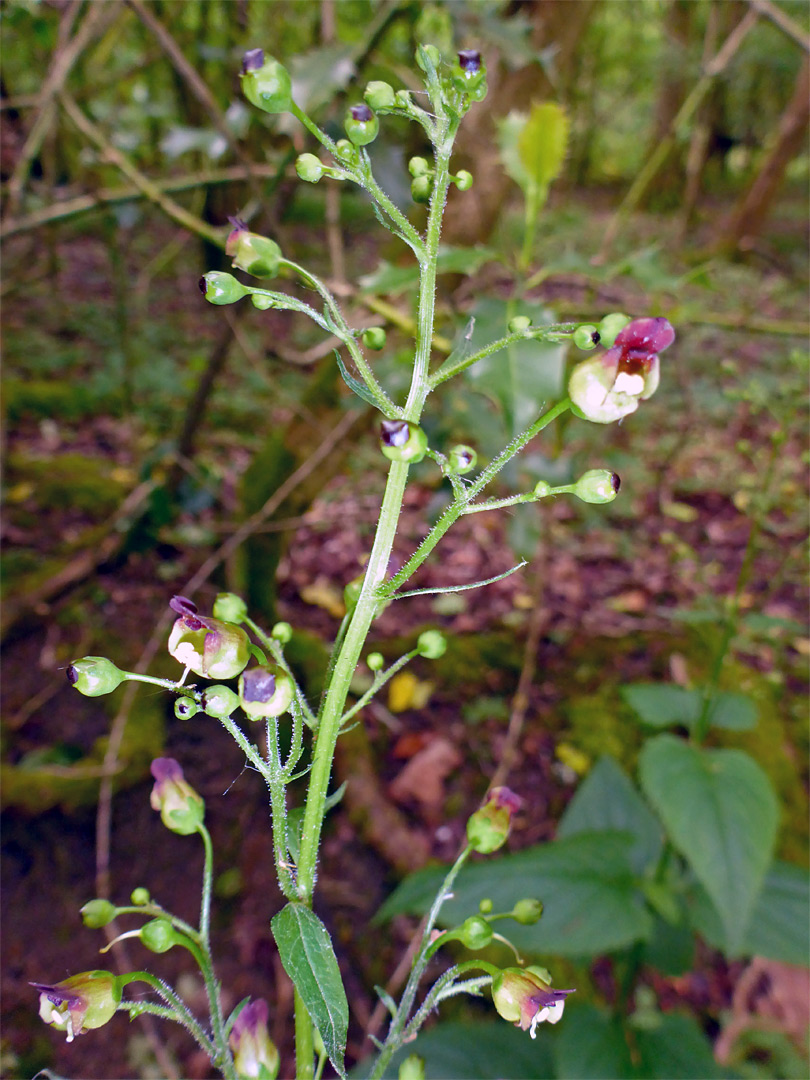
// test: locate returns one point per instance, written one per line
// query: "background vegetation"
(152, 440)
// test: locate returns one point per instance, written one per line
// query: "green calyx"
(461, 459)
(309, 168)
(401, 441)
(527, 911)
(379, 95)
(265, 82)
(374, 338)
(219, 701)
(219, 287)
(158, 935)
(94, 676)
(597, 486)
(362, 126)
(255, 254)
(475, 933)
(185, 708)
(610, 327)
(98, 913)
(230, 608)
(265, 691)
(422, 188)
(586, 337)
(469, 74)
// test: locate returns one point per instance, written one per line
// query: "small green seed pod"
(379, 95)
(265, 83)
(419, 166)
(421, 188)
(282, 631)
(527, 911)
(374, 338)
(219, 701)
(98, 913)
(361, 125)
(401, 441)
(461, 459)
(94, 676)
(611, 326)
(519, 322)
(375, 661)
(586, 337)
(185, 708)
(230, 608)
(475, 933)
(597, 486)
(220, 288)
(309, 168)
(140, 896)
(485, 906)
(158, 935)
(431, 644)
(463, 180)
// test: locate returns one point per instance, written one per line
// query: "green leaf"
(356, 385)
(733, 711)
(393, 280)
(306, 952)
(607, 799)
(543, 142)
(779, 928)
(586, 883)
(591, 1044)
(676, 1049)
(663, 705)
(721, 814)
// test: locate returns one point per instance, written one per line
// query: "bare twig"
(781, 19)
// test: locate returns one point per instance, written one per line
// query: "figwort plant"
(228, 645)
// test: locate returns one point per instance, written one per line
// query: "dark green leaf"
(356, 385)
(676, 1049)
(306, 952)
(733, 711)
(721, 813)
(662, 704)
(591, 1046)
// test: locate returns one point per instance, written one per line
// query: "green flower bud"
(610, 327)
(265, 83)
(309, 168)
(374, 338)
(97, 913)
(402, 99)
(527, 911)
(519, 322)
(94, 676)
(401, 441)
(209, 647)
(347, 152)
(181, 808)
(542, 489)
(140, 896)
(230, 608)
(586, 337)
(80, 1003)
(375, 661)
(469, 74)
(488, 828)
(461, 459)
(412, 1068)
(361, 125)
(423, 52)
(262, 302)
(185, 708)
(485, 906)
(463, 180)
(431, 644)
(219, 701)
(220, 288)
(251, 252)
(475, 933)
(419, 166)
(421, 188)
(597, 486)
(265, 691)
(158, 935)
(282, 631)
(379, 95)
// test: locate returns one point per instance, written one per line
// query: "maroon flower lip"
(637, 345)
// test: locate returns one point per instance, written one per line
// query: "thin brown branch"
(781, 19)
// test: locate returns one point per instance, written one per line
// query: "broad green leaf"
(591, 1046)
(721, 814)
(586, 883)
(487, 1050)
(779, 928)
(306, 952)
(543, 142)
(663, 705)
(607, 799)
(675, 1049)
(733, 711)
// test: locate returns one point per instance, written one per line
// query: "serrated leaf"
(355, 385)
(721, 813)
(306, 953)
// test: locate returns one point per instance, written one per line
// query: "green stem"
(379, 682)
(278, 804)
(208, 880)
(304, 1042)
(178, 1010)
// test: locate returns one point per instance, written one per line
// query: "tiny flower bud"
(309, 168)
(375, 661)
(469, 74)
(374, 338)
(519, 322)
(418, 166)
(140, 896)
(220, 288)
(463, 180)
(80, 1003)
(347, 152)
(185, 708)
(401, 441)
(526, 1000)
(361, 125)
(230, 608)
(421, 188)
(610, 326)
(431, 644)
(181, 808)
(282, 631)
(527, 912)
(251, 252)
(262, 302)
(542, 489)
(95, 675)
(485, 905)
(402, 99)
(475, 933)
(219, 701)
(488, 828)
(586, 337)
(379, 95)
(209, 647)
(265, 83)
(254, 1053)
(265, 691)
(412, 1068)
(158, 935)
(425, 52)
(461, 459)
(97, 913)
(597, 486)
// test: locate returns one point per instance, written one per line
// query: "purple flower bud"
(254, 1053)
(265, 691)
(362, 113)
(469, 60)
(394, 432)
(488, 828)
(181, 808)
(79, 1003)
(252, 60)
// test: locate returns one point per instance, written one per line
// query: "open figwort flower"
(526, 999)
(209, 647)
(609, 386)
(79, 1003)
(181, 809)
(254, 1052)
